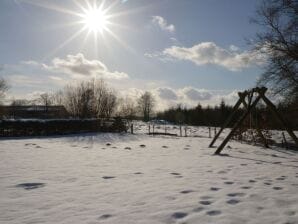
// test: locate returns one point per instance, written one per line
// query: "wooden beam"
(237, 125)
(228, 121)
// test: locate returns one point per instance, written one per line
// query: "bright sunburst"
(94, 16)
(95, 20)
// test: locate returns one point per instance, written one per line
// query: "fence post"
(209, 132)
(180, 131)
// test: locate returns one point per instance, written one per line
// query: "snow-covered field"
(124, 178)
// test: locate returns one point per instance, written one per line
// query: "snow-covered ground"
(124, 178)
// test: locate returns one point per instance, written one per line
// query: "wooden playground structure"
(249, 99)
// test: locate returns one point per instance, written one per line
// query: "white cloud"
(163, 24)
(196, 94)
(78, 66)
(209, 53)
(167, 93)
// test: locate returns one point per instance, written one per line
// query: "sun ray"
(49, 6)
(94, 16)
(67, 41)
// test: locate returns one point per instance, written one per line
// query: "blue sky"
(184, 51)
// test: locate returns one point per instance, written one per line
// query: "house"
(33, 111)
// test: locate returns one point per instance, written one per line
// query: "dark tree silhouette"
(279, 39)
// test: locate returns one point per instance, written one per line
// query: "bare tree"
(46, 100)
(57, 98)
(127, 108)
(279, 39)
(90, 99)
(146, 105)
(3, 88)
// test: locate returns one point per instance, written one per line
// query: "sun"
(95, 19)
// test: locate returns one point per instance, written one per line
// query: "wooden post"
(153, 128)
(209, 133)
(149, 129)
(284, 139)
(279, 117)
(228, 121)
(131, 128)
(180, 131)
(185, 130)
(220, 148)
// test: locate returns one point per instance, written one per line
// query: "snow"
(124, 178)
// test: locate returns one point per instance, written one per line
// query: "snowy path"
(142, 179)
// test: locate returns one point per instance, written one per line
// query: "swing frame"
(249, 105)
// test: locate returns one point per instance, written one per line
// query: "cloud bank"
(79, 67)
(209, 53)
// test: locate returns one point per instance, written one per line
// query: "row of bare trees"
(92, 99)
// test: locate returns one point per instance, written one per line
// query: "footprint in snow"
(213, 212)
(214, 189)
(108, 144)
(30, 186)
(175, 174)
(236, 194)
(233, 201)
(229, 182)
(165, 147)
(245, 187)
(277, 188)
(142, 146)
(138, 173)
(206, 202)
(105, 216)
(108, 177)
(252, 181)
(179, 215)
(186, 191)
(127, 148)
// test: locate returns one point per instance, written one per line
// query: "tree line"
(218, 114)
(90, 99)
